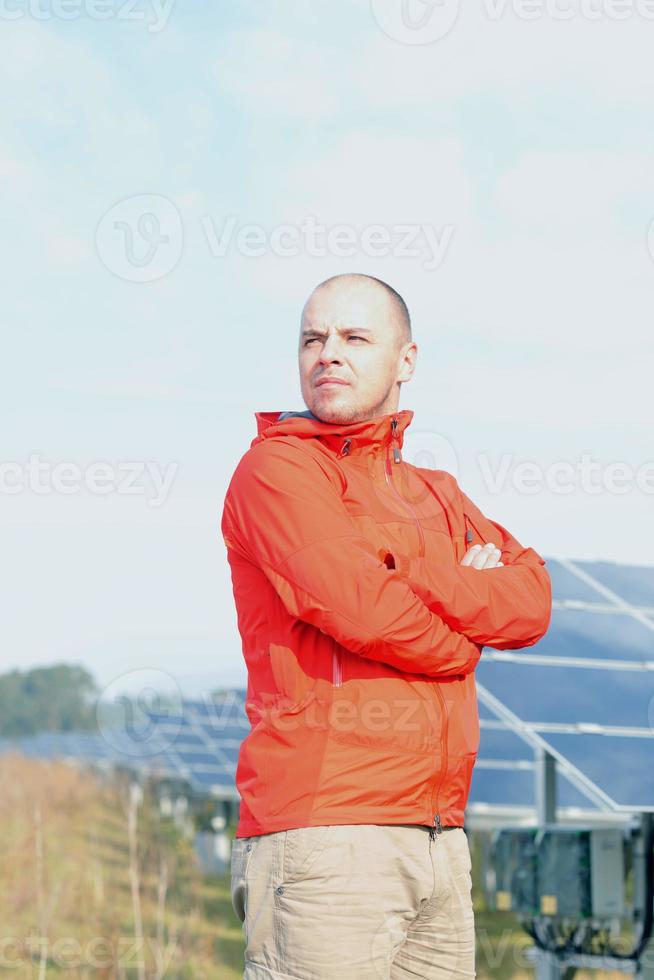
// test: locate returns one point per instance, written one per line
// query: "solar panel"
(623, 767)
(517, 787)
(184, 739)
(585, 691)
(197, 758)
(582, 633)
(204, 747)
(568, 586)
(219, 713)
(634, 584)
(230, 753)
(485, 713)
(490, 786)
(223, 730)
(573, 695)
(501, 743)
(198, 744)
(215, 783)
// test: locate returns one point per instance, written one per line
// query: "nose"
(330, 351)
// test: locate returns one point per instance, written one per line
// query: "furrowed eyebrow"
(321, 333)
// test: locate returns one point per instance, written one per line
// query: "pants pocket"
(242, 849)
(302, 847)
(460, 853)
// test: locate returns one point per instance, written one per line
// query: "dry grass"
(71, 901)
(66, 900)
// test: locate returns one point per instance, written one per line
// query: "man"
(365, 589)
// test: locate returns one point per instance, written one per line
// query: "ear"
(408, 362)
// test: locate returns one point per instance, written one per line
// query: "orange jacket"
(360, 627)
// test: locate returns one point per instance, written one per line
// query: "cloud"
(573, 193)
(272, 73)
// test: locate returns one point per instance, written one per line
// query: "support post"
(646, 964)
(545, 787)
(547, 966)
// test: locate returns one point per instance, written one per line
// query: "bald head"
(356, 285)
(355, 348)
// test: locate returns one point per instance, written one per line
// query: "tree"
(58, 699)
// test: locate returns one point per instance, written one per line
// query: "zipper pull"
(345, 449)
(432, 834)
(439, 826)
(468, 530)
(397, 456)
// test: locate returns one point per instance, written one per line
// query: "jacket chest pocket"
(459, 547)
(468, 536)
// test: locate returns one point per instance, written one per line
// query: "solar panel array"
(584, 693)
(196, 744)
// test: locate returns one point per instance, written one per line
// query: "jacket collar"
(367, 436)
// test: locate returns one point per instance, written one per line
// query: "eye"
(355, 337)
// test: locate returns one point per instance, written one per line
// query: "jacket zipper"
(444, 756)
(337, 667)
(397, 456)
(469, 535)
(337, 664)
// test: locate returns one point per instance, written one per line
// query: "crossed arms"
(283, 511)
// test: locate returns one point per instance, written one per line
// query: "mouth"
(329, 382)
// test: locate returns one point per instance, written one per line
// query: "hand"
(486, 557)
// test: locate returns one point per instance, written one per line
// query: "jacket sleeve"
(284, 512)
(506, 607)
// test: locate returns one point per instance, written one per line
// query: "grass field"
(84, 892)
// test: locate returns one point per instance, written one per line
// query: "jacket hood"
(365, 435)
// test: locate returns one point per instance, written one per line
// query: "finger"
(470, 554)
(493, 559)
(492, 556)
(484, 555)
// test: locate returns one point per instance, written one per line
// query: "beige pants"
(355, 902)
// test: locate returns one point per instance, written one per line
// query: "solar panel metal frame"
(533, 732)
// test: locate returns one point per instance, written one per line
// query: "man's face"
(351, 332)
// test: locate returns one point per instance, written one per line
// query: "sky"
(177, 177)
